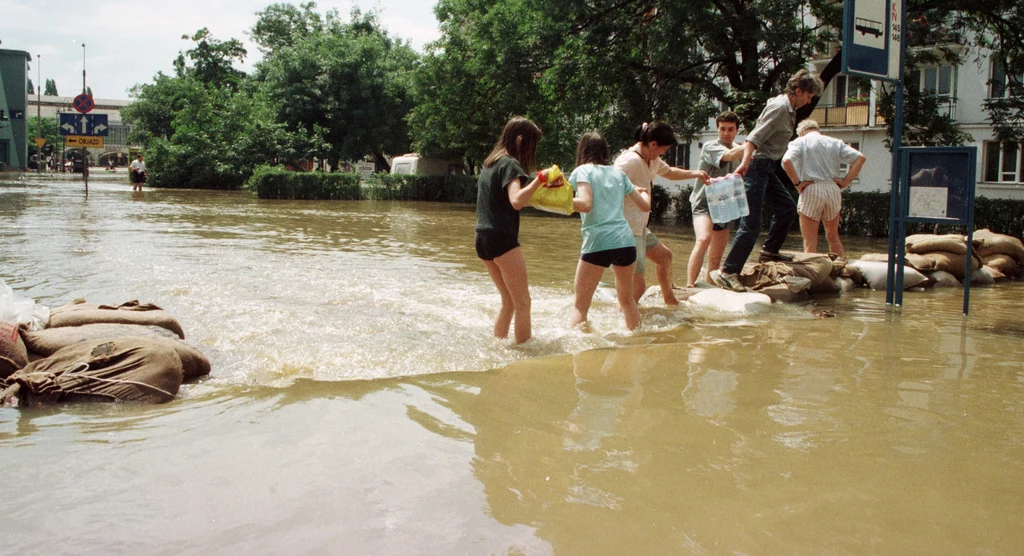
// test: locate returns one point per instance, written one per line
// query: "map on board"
(928, 202)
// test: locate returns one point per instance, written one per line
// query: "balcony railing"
(854, 115)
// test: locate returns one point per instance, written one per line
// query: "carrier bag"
(555, 195)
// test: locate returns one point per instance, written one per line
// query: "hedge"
(867, 214)
(274, 182)
(445, 189)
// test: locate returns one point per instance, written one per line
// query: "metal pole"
(896, 191)
(85, 153)
(39, 119)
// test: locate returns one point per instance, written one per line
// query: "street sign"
(84, 124)
(89, 142)
(40, 141)
(17, 114)
(83, 103)
(872, 32)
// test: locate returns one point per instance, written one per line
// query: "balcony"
(849, 115)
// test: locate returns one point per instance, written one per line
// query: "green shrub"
(274, 182)
(660, 201)
(446, 189)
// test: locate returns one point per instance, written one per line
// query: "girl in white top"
(812, 162)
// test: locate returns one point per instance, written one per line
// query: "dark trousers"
(763, 187)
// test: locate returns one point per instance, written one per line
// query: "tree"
(88, 91)
(210, 61)
(345, 86)
(31, 89)
(51, 88)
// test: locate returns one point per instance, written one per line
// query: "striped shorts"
(821, 201)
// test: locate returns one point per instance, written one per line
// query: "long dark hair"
(655, 132)
(519, 140)
(593, 149)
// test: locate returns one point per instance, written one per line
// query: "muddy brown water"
(358, 404)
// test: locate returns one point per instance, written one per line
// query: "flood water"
(359, 405)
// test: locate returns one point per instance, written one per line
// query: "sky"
(128, 42)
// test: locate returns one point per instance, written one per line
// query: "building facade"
(13, 109)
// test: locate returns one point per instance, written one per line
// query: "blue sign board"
(17, 114)
(872, 32)
(93, 125)
(936, 186)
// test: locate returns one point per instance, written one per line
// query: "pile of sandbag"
(941, 260)
(807, 274)
(127, 352)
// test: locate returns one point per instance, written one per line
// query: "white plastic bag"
(17, 309)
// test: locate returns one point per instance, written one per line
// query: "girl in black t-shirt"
(505, 188)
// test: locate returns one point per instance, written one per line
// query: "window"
(940, 80)
(997, 85)
(844, 168)
(851, 89)
(1003, 162)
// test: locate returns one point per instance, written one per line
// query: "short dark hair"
(593, 149)
(806, 81)
(655, 132)
(728, 116)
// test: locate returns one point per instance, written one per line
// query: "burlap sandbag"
(912, 259)
(125, 369)
(131, 312)
(952, 263)
(1005, 264)
(999, 244)
(816, 267)
(13, 353)
(992, 273)
(926, 243)
(49, 340)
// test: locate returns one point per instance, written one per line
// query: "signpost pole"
(895, 264)
(85, 152)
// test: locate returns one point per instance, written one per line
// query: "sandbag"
(780, 293)
(725, 301)
(193, 363)
(49, 340)
(131, 312)
(999, 244)
(952, 263)
(1002, 262)
(13, 353)
(875, 274)
(912, 259)
(123, 369)
(993, 273)
(982, 278)
(943, 279)
(816, 267)
(925, 243)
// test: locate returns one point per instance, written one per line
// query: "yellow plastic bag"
(555, 195)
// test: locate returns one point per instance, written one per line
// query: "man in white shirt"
(137, 173)
(812, 162)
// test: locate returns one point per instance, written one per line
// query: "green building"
(13, 101)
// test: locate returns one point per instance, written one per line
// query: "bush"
(446, 189)
(660, 201)
(274, 182)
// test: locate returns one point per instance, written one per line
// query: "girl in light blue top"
(601, 190)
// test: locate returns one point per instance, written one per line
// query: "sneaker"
(726, 281)
(769, 257)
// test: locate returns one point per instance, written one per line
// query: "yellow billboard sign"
(87, 141)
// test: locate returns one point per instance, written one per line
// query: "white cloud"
(129, 42)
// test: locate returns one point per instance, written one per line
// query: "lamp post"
(39, 108)
(85, 153)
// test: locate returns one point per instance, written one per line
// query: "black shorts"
(137, 177)
(491, 244)
(623, 256)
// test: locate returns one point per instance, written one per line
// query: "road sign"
(84, 124)
(872, 32)
(40, 141)
(84, 141)
(17, 114)
(83, 103)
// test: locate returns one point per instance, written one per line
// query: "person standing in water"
(761, 155)
(137, 173)
(601, 191)
(642, 163)
(718, 158)
(503, 189)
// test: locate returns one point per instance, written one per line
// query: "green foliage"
(211, 61)
(156, 104)
(346, 86)
(449, 188)
(31, 88)
(49, 130)
(274, 182)
(660, 201)
(51, 88)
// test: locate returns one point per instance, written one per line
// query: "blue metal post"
(896, 233)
